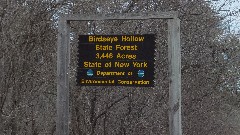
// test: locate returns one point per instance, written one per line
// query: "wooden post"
(63, 55)
(174, 57)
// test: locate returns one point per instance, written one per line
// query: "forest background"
(28, 46)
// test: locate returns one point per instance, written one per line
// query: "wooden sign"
(116, 60)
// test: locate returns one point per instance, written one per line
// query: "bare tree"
(28, 70)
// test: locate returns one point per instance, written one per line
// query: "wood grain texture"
(174, 57)
(63, 56)
(128, 16)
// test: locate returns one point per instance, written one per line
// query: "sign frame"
(174, 58)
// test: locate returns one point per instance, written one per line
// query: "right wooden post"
(174, 58)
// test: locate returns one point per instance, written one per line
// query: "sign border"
(144, 53)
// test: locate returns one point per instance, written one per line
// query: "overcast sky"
(234, 8)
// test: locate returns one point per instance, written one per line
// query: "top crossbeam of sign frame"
(129, 16)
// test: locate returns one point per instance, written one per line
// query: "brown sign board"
(116, 60)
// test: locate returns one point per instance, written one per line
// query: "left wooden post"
(63, 62)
